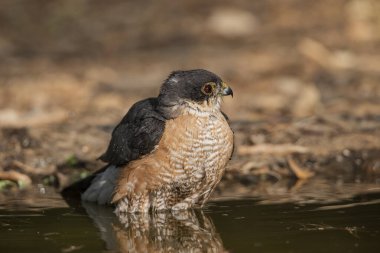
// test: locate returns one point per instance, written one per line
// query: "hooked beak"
(226, 90)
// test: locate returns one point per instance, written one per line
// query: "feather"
(102, 186)
(136, 135)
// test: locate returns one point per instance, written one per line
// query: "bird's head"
(198, 87)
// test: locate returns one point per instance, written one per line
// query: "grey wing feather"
(136, 135)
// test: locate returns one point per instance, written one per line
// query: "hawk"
(168, 152)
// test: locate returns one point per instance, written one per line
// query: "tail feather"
(74, 193)
(102, 186)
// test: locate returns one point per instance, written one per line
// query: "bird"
(167, 232)
(168, 152)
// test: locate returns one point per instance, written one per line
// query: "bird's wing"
(136, 135)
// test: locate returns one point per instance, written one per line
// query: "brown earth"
(305, 74)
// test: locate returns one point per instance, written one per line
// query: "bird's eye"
(208, 88)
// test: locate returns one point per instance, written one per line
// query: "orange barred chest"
(198, 149)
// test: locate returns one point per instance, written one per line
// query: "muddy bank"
(276, 170)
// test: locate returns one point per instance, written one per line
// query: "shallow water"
(244, 225)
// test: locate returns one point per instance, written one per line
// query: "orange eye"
(208, 88)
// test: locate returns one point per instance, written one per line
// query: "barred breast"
(184, 168)
(198, 154)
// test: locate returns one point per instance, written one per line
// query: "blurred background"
(305, 74)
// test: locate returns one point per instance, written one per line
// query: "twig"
(278, 149)
(12, 118)
(299, 172)
(31, 170)
(21, 179)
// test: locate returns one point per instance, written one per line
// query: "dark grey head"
(196, 85)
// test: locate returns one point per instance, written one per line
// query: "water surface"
(240, 225)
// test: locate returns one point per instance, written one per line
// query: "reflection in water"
(245, 225)
(188, 231)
